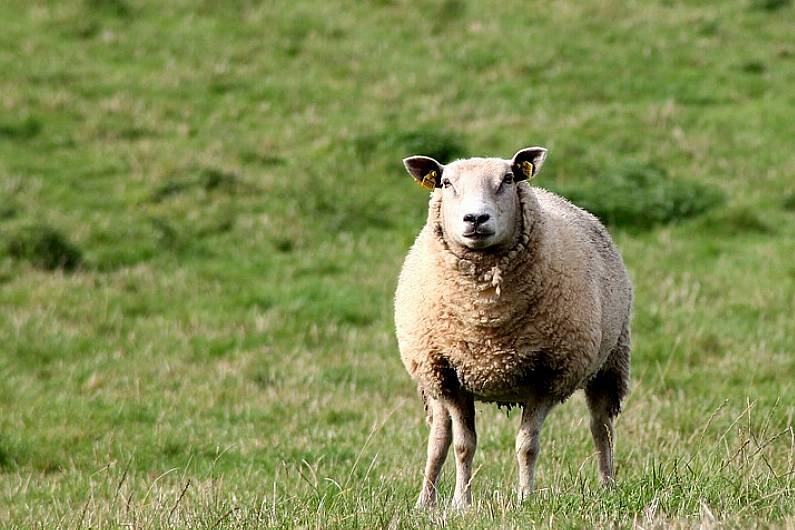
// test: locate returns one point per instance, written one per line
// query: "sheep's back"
(603, 263)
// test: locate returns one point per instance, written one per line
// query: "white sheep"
(511, 295)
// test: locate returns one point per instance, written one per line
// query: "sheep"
(510, 295)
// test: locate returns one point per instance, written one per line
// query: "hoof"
(523, 494)
(425, 501)
(460, 504)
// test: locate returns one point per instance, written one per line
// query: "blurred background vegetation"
(203, 213)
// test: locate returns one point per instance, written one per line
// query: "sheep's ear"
(425, 170)
(527, 163)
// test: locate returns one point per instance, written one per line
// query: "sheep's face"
(480, 205)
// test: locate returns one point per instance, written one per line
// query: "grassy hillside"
(203, 214)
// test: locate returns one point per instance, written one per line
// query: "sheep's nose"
(476, 219)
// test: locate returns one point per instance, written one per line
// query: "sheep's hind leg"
(602, 432)
(527, 444)
(604, 394)
(462, 413)
(439, 440)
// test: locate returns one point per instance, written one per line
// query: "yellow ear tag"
(429, 181)
(527, 169)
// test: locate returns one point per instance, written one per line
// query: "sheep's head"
(479, 199)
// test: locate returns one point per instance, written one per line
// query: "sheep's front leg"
(438, 444)
(527, 444)
(462, 414)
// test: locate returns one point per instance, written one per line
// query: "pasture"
(203, 213)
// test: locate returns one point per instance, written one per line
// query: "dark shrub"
(441, 145)
(43, 247)
(119, 8)
(770, 5)
(212, 178)
(25, 129)
(641, 196)
(733, 221)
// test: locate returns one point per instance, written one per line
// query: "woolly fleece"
(539, 320)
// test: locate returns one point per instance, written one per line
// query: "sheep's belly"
(510, 377)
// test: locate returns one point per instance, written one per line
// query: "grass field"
(203, 214)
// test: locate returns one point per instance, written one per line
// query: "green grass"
(225, 180)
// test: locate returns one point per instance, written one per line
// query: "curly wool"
(538, 319)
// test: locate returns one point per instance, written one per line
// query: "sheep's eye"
(446, 182)
(506, 180)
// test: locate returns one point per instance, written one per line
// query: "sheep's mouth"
(478, 234)
(478, 239)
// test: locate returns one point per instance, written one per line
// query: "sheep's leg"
(604, 394)
(603, 433)
(462, 414)
(527, 444)
(439, 440)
